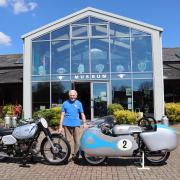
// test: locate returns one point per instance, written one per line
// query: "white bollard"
(7, 120)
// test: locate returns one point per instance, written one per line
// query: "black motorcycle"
(22, 142)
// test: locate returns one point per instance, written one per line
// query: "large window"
(41, 58)
(141, 54)
(60, 92)
(40, 95)
(143, 95)
(80, 56)
(122, 93)
(93, 49)
(99, 55)
(60, 62)
(120, 55)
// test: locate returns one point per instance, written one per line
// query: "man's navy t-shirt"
(72, 110)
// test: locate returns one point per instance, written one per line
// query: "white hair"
(73, 91)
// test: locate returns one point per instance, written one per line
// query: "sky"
(18, 17)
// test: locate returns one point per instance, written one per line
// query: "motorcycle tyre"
(68, 149)
(93, 164)
(157, 163)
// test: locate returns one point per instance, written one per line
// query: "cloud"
(19, 6)
(4, 39)
(3, 3)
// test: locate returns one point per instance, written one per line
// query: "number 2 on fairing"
(124, 144)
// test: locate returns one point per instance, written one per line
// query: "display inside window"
(60, 62)
(120, 55)
(41, 58)
(99, 55)
(142, 54)
(80, 56)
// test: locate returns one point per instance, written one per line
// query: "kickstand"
(142, 163)
(24, 163)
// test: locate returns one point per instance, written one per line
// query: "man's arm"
(61, 121)
(83, 117)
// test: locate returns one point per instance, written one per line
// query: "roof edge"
(96, 11)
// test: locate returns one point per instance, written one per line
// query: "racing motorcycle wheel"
(156, 157)
(93, 160)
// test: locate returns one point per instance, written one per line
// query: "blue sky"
(18, 17)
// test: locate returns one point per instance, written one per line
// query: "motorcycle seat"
(4, 131)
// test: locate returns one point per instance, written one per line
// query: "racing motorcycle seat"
(4, 131)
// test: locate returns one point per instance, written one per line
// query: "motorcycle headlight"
(44, 123)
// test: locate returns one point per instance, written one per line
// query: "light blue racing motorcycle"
(104, 138)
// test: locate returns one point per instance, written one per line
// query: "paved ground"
(122, 169)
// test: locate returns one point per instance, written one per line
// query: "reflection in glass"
(119, 31)
(79, 31)
(60, 92)
(122, 93)
(62, 33)
(100, 99)
(40, 95)
(143, 95)
(99, 55)
(80, 56)
(141, 54)
(99, 30)
(40, 58)
(120, 55)
(43, 37)
(60, 62)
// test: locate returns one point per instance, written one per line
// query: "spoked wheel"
(60, 153)
(93, 160)
(156, 157)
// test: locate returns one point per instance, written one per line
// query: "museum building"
(107, 58)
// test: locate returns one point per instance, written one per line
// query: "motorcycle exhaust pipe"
(2, 154)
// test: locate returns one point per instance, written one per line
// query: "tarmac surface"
(122, 169)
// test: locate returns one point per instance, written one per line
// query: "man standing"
(70, 121)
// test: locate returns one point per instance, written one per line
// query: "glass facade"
(93, 50)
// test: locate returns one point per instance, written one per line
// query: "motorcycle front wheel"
(60, 154)
(156, 157)
(93, 160)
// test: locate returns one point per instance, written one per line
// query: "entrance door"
(83, 90)
(99, 99)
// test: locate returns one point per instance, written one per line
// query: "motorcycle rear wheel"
(93, 160)
(62, 152)
(157, 157)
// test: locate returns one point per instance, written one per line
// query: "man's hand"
(61, 129)
(85, 126)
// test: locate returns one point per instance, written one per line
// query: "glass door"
(99, 99)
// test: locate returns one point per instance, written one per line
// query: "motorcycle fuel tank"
(25, 131)
(94, 142)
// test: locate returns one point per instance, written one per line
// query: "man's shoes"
(75, 158)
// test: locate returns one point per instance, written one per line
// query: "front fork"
(48, 136)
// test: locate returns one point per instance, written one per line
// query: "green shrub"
(173, 112)
(126, 117)
(114, 107)
(51, 115)
(7, 109)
